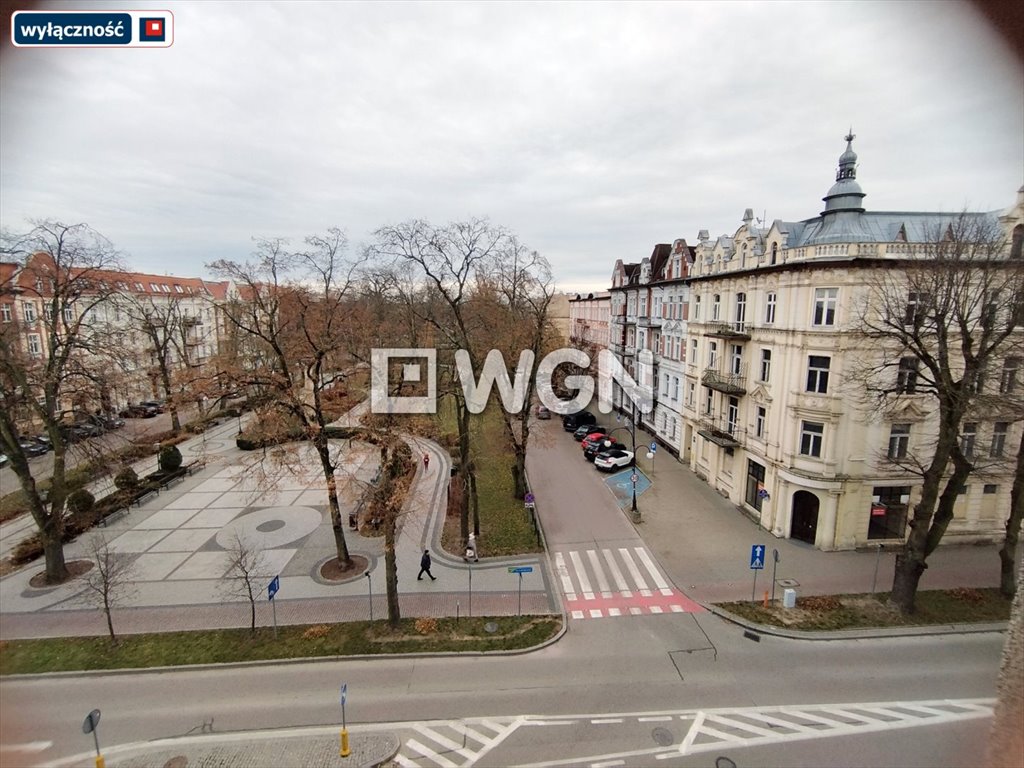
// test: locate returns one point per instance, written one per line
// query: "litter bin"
(789, 598)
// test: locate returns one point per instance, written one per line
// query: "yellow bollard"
(766, 598)
(345, 752)
(100, 762)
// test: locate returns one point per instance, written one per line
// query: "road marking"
(404, 761)
(656, 609)
(602, 582)
(563, 574)
(634, 572)
(577, 614)
(606, 720)
(678, 609)
(614, 612)
(659, 719)
(430, 754)
(659, 579)
(634, 611)
(595, 613)
(470, 733)
(581, 575)
(607, 764)
(28, 746)
(620, 580)
(444, 741)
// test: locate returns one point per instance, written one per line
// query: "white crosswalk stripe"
(453, 743)
(601, 583)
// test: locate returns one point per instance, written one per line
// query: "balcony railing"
(720, 431)
(649, 321)
(735, 331)
(731, 382)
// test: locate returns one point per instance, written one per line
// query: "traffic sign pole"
(519, 607)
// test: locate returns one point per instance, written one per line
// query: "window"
(988, 314)
(178, 288)
(712, 354)
(888, 512)
(769, 307)
(1008, 379)
(967, 438)
(166, 288)
(775, 252)
(817, 373)
(825, 300)
(736, 360)
(708, 401)
(917, 307)
(899, 441)
(766, 365)
(643, 306)
(5, 313)
(675, 389)
(906, 376)
(691, 393)
(35, 347)
(732, 415)
(155, 287)
(759, 421)
(69, 314)
(811, 435)
(998, 447)
(716, 306)
(693, 351)
(664, 388)
(990, 488)
(28, 311)
(755, 485)
(741, 311)
(139, 287)
(696, 308)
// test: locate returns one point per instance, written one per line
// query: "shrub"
(426, 625)
(80, 502)
(316, 632)
(819, 603)
(126, 479)
(967, 595)
(27, 550)
(170, 458)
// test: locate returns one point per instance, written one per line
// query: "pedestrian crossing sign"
(757, 557)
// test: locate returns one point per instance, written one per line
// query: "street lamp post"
(631, 423)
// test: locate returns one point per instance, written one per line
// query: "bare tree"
(935, 326)
(54, 360)
(247, 570)
(293, 314)
(111, 581)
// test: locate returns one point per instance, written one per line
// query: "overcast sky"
(593, 130)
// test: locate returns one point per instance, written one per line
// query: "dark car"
(158, 404)
(106, 423)
(31, 447)
(140, 411)
(587, 429)
(573, 421)
(44, 440)
(599, 446)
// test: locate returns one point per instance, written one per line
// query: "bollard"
(344, 743)
(766, 598)
(100, 762)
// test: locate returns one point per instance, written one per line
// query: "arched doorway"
(805, 516)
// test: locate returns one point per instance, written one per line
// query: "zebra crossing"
(453, 743)
(616, 581)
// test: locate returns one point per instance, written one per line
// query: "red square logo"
(154, 27)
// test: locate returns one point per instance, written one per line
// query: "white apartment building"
(774, 419)
(589, 316)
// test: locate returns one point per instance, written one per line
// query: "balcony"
(719, 431)
(737, 331)
(619, 319)
(730, 383)
(648, 321)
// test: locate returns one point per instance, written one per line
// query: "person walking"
(425, 566)
(426, 461)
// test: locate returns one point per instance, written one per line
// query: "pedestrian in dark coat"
(425, 566)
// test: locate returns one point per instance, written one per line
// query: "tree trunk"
(337, 525)
(462, 417)
(110, 621)
(252, 607)
(1008, 552)
(391, 570)
(1006, 739)
(53, 551)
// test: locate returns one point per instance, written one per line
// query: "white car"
(613, 459)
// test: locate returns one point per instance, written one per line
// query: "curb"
(924, 630)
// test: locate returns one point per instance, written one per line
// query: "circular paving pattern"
(271, 527)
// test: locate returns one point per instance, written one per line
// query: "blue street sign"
(762, 494)
(272, 587)
(344, 693)
(654, 447)
(529, 498)
(756, 557)
(520, 569)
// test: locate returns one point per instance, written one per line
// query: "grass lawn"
(292, 642)
(838, 612)
(505, 526)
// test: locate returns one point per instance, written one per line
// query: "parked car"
(31, 447)
(573, 421)
(4, 461)
(613, 459)
(158, 404)
(543, 413)
(587, 429)
(599, 446)
(106, 423)
(140, 411)
(44, 440)
(594, 437)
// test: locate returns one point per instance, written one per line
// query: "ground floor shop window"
(889, 507)
(755, 484)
